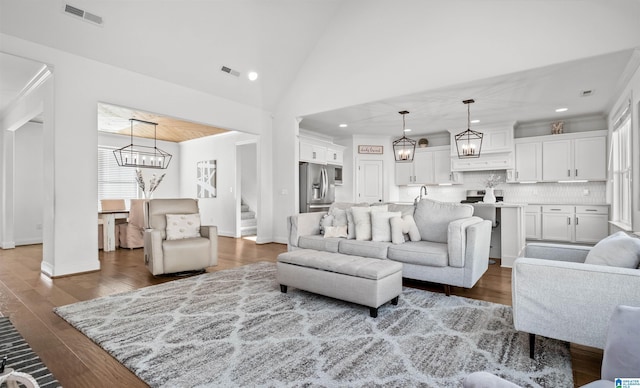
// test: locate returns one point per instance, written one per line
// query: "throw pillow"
(362, 222)
(380, 225)
(401, 226)
(433, 218)
(335, 231)
(326, 220)
(339, 217)
(181, 226)
(617, 250)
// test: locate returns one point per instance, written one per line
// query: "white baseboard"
(29, 241)
(281, 240)
(8, 245)
(46, 269)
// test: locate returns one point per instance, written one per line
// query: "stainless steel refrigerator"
(317, 187)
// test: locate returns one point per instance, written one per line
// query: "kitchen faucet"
(423, 188)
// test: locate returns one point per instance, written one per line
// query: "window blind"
(114, 182)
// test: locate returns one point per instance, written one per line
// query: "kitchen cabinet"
(557, 223)
(533, 222)
(583, 158)
(528, 162)
(430, 166)
(335, 156)
(313, 153)
(592, 223)
(496, 152)
(582, 224)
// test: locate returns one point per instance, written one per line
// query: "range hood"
(497, 149)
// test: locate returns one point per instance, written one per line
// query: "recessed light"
(475, 121)
(407, 129)
(343, 125)
(252, 75)
(562, 110)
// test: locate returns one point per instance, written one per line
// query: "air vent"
(82, 14)
(587, 93)
(230, 71)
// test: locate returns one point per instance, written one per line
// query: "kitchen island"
(509, 219)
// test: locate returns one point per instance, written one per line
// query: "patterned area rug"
(20, 356)
(234, 328)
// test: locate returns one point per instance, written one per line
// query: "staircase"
(248, 221)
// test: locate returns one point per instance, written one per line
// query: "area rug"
(234, 328)
(20, 356)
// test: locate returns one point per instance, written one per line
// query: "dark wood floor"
(28, 297)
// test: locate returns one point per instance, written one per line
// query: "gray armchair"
(557, 295)
(167, 249)
(621, 356)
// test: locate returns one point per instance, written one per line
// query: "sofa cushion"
(380, 226)
(404, 209)
(374, 249)
(433, 218)
(319, 243)
(420, 252)
(617, 250)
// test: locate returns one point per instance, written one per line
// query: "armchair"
(557, 295)
(182, 251)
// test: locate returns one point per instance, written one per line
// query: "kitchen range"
(488, 211)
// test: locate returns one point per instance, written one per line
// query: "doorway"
(370, 181)
(247, 190)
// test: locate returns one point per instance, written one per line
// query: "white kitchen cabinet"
(528, 162)
(533, 222)
(335, 156)
(581, 224)
(312, 153)
(557, 224)
(430, 166)
(591, 223)
(575, 159)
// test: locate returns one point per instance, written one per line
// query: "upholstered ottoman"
(363, 280)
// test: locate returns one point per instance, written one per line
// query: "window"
(621, 158)
(114, 182)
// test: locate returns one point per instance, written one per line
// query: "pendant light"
(142, 156)
(469, 143)
(404, 148)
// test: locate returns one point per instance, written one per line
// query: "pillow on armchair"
(433, 218)
(617, 250)
(180, 226)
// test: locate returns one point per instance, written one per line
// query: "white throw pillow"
(362, 222)
(335, 231)
(326, 220)
(617, 250)
(181, 226)
(339, 217)
(401, 226)
(380, 225)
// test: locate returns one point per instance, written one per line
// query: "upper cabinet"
(564, 157)
(496, 152)
(576, 156)
(430, 166)
(320, 152)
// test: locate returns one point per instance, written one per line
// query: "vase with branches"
(491, 182)
(154, 182)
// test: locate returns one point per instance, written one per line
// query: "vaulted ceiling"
(360, 61)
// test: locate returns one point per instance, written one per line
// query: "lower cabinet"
(533, 222)
(580, 224)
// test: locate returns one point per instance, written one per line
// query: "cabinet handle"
(576, 172)
(313, 155)
(568, 172)
(555, 210)
(335, 156)
(568, 220)
(576, 220)
(517, 174)
(592, 210)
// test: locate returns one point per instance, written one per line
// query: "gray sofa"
(453, 249)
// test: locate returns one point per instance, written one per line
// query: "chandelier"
(142, 156)
(404, 148)
(469, 143)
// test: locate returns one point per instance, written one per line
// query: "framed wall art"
(206, 179)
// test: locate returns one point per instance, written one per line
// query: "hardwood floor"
(28, 297)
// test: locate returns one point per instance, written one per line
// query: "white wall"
(28, 184)
(247, 156)
(222, 210)
(70, 187)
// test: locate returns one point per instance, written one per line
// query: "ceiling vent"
(82, 14)
(587, 93)
(230, 71)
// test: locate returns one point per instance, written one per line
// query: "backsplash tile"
(543, 193)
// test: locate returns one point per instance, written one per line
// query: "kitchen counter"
(501, 204)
